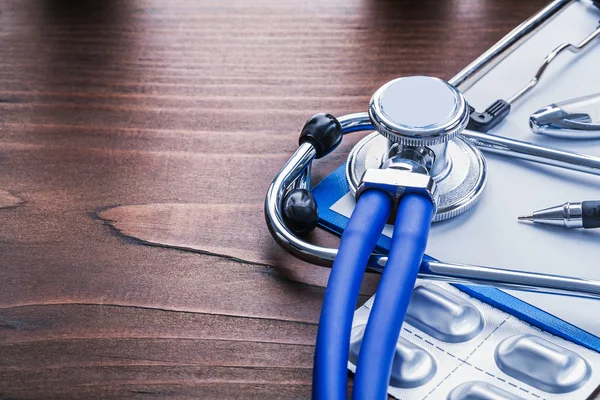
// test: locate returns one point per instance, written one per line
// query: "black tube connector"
(492, 116)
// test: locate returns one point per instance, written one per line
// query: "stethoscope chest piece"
(420, 119)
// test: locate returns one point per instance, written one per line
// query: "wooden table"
(137, 141)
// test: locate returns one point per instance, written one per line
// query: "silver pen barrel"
(585, 214)
(568, 215)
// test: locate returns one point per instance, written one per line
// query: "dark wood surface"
(137, 140)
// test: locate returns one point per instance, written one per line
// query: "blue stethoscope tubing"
(409, 240)
(330, 374)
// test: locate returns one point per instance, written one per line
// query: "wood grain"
(139, 138)
(8, 200)
(234, 231)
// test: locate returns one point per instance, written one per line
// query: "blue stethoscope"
(413, 170)
(419, 166)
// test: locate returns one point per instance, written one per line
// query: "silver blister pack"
(455, 347)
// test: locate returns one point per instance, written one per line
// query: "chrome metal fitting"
(398, 182)
(418, 111)
(416, 159)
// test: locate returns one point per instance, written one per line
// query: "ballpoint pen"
(585, 214)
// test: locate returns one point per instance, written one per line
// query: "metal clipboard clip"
(572, 119)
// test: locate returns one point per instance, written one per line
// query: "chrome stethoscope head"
(418, 121)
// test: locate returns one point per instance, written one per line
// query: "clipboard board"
(489, 234)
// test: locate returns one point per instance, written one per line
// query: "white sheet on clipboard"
(489, 234)
(519, 187)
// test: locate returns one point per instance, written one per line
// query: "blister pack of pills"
(455, 347)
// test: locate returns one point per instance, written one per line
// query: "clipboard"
(489, 234)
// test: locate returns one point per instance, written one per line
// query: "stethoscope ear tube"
(322, 132)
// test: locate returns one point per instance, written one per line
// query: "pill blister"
(443, 315)
(478, 390)
(412, 367)
(542, 364)
(455, 347)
